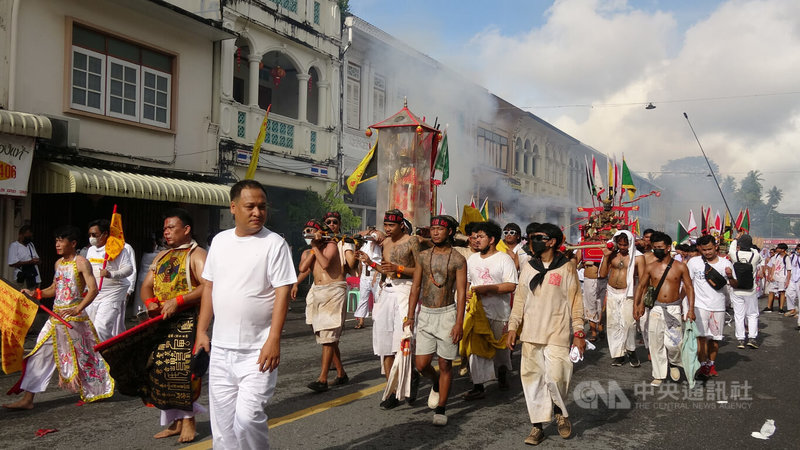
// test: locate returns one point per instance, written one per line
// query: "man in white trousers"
(107, 311)
(745, 301)
(249, 274)
(370, 280)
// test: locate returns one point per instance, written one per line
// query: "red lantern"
(368, 132)
(277, 73)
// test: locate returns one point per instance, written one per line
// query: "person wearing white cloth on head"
(619, 265)
(745, 301)
(249, 274)
(107, 311)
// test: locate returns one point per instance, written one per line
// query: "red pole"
(47, 310)
(105, 258)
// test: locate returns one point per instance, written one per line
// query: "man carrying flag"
(80, 368)
(111, 265)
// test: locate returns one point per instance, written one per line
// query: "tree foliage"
(314, 206)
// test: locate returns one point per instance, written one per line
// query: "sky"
(589, 67)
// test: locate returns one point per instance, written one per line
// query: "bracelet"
(579, 334)
(38, 294)
(406, 319)
(179, 299)
(373, 264)
(150, 300)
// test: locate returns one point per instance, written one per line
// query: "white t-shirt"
(779, 268)
(375, 254)
(18, 252)
(245, 271)
(496, 269)
(132, 276)
(794, 266)
(705, 297)
(744, 256)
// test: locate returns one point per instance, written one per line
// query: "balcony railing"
(241, 123)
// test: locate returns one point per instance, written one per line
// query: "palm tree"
(774, 197)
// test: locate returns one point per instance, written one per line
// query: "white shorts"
(709, 323)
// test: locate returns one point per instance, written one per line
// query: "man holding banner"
(174, 281)
(80, 368)
(108, 310)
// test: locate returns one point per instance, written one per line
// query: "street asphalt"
(610, 407)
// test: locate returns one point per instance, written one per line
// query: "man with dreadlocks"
(549, 308)
(441, 272)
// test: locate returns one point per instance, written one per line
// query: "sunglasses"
(539, 237)
(331, 221)
(509, 232)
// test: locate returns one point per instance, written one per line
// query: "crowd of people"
(446, 296)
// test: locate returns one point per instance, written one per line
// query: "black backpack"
(744, 272)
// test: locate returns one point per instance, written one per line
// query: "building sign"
(16, 155)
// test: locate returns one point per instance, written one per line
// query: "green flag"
(627, 180)
(443, 160)
(746, 221)
(683, 235)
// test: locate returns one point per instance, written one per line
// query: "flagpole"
(105, 258)
(709, 164)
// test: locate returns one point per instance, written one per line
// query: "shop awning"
(25, 124)
(57, 178)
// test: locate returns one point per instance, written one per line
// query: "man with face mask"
(492, 277)
(619, 265)
(779, 274)
(326, 297)
(548, 319)
(23, 258)
(664, 328)
(107, 311)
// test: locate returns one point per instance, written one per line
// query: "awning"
(24, 124)
(57, 178)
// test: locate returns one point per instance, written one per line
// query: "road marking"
(297, 415)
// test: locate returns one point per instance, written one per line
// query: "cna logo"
(589, 395)
(7, 171)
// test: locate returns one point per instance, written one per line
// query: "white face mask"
(93, 242)
(308, 241)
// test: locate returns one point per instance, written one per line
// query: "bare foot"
(172, 430)
(26, 402)
(188, 431)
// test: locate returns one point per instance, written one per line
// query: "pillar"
(226, 67)
(302, 97)
(322, 104)
(255, 61)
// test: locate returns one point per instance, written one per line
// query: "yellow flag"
(116, 238)
(262, 133)
(16, 316)
(470, 214)
(367, 169)
(502, 246)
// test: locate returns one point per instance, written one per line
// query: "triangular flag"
(709, 225)
(718, 222)
(262, 134)
(746, 221)
(116, 238)
(597, 178)
(441, 208)
(443, 159)
(635, 229)
(738, 224)
(485, 209)
(692, 224)
(472, 203)
(627, 179)
(610, 170)
(589, 182)
(366, 170)
(703, 221)
(469, 215)
(682, 235)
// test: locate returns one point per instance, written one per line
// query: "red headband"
(441, 222)
(393, 218)
(334, 214)
(313, 224)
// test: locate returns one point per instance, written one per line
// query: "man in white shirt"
(745, 301)
(709, 303)
(778, 274)
(249, 274)
(23, 258)
(370, 280)
(793, 290)
(107, 311)
(493, 277)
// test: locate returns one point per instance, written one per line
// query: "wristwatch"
(579, 334)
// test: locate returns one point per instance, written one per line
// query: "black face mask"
(26, 240)
(538, 247)
(659, 253)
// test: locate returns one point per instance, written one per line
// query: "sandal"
(359, 324)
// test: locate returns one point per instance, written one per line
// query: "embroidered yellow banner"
(16, 316)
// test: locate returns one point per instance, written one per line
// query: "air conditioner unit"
(66, 131)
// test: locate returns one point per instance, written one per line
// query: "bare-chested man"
(400, 251)
(441, 272)
(594, 296)
(619, 265)
(326, 299)
(665, 325)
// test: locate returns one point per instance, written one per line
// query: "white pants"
(545, 371)
(237, 394)
(664, 341)
(40, 367)
(482, 369)
(366, 286)
(792, 295)
(387, 317)
(644, 326)
(745, 307)
(108, 316)
(620, 328)
(594, 293)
